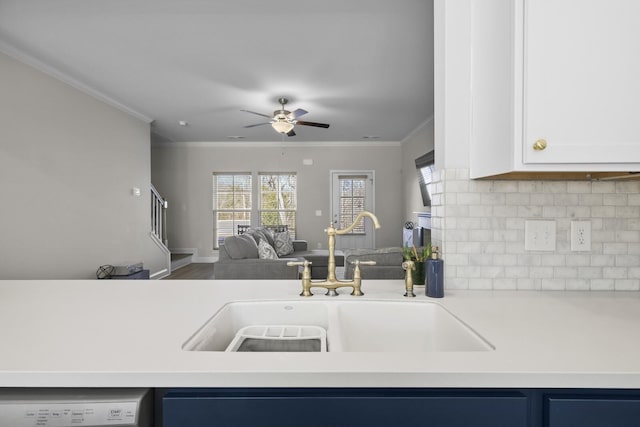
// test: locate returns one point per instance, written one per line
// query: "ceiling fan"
(283, 121)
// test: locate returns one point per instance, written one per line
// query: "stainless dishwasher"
(67, 407)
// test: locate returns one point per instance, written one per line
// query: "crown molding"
(31, 61)
(272, 144)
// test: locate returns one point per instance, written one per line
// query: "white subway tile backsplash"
(595, 199)
(627, 211)
(554, 211)
(480, 284)
(615, 248)
(529, 284)
(505, 211)
(578, 260)
(493, 199)
(565, 273)
(615, 199)
(578, 187)
(505, 284)
(590, 272)
(553, 285)
(603, 261)
(576, 285)
(603, 187)
(554, 187)
(480, 226)
(628, 236)
(578, 212)
(627, 261)
(530, 211)
(539, 199)
(530, 187)
(603, 211)
(627, 285)
(602, 285)
(565, 200)
(552, 260)
(505, 186)
(628, 187)
(614, 273)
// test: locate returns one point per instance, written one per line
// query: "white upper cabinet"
(562, 75)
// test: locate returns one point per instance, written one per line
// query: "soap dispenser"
(435, 275)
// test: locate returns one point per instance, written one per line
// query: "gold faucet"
(332, 283)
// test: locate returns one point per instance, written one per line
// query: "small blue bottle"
(434, 275)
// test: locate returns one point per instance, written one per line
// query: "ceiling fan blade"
(318, 125)
(257, 124)
(291, 133)
(297, 113)
(257, 114)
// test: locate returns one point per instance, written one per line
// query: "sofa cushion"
(266, 251)
(283, 244)
(241, 247)
(261, 233)
(382, 256)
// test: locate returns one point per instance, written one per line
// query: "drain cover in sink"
(272, 338)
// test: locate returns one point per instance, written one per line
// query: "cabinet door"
(323, 408)
(581, 81)
(586, 411)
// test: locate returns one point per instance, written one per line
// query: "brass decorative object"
(540, 145)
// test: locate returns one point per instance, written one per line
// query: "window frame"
(217, 238)
(287, 212)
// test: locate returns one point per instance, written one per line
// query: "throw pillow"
(241, 247)
(260, 233)
(283, 244)
(266, 251)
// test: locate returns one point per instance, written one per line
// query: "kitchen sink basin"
(351, 326)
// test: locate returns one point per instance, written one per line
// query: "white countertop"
(104, 333)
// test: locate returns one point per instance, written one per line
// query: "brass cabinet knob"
(540, 145)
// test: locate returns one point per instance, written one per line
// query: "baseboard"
(160, 274)
(193, 251)
(205, 259)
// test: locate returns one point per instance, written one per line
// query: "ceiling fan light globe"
(282, 126)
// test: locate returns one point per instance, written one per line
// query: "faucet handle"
(357, 276)
(306, 276)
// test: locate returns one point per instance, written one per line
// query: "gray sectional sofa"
(388, 263)
(239, 258)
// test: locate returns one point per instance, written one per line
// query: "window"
(278, 200)
(352, 190)
(425, 168)
(231, 204)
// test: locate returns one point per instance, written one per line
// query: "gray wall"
(68, 163)
(183, 173)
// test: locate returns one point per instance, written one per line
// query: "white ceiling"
(364, 66)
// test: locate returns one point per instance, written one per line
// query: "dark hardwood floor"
(193, 271)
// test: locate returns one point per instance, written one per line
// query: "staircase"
(159, 206)
(159, 216)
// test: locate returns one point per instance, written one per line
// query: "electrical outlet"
(580, 235)
(540, 235)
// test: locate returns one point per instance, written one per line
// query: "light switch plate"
(540, 235)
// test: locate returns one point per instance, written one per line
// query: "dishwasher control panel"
(67, 407)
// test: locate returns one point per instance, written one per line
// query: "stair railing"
(159, 207)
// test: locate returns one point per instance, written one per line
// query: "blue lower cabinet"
(344, 407)
(593, 410)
